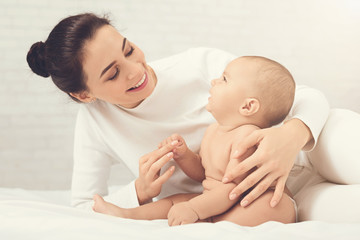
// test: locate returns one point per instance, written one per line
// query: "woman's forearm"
(299, 132)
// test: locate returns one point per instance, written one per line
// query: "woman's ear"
(83, 96)
(249, 107)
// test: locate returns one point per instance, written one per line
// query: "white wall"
(318, 40)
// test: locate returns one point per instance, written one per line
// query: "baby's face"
(230, 90)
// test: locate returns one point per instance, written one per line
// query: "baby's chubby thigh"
(260, 211)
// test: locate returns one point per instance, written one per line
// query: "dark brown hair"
(61, 55)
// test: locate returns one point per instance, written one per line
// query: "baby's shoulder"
(245, 130)
(211, 128)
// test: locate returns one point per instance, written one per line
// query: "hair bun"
(36, 59)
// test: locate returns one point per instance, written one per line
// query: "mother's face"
(116, 70)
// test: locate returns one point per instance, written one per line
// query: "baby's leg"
(150, 211)
(101, 206)
(260, 212)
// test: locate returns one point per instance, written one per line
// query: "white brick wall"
(318, 40)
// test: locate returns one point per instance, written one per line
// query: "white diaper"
(296, 209)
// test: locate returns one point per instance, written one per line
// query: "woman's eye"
(115, 74)
(130, 52)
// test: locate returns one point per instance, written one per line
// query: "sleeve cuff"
(312, 108)
(125, 196)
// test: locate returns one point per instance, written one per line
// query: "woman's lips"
(140, 85)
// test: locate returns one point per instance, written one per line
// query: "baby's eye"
(224, 79)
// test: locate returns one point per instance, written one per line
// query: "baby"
(253, 92)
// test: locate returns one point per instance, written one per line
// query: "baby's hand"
(180, 146)
(181, 213)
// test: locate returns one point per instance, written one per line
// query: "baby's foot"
(101, 206)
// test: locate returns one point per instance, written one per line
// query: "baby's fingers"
(172, 139)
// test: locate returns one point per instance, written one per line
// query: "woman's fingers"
(250, 141)
(248, 163)
(279, 190)
(166, 175)
(156, 166)
(242, 168)
(252, 180)
(259, 189)
(154, 156)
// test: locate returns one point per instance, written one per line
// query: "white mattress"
(26, 214)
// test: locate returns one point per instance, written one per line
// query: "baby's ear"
(249, 107)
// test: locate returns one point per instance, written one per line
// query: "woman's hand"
(276, 151)
(149, 182)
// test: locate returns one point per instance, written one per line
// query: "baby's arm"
(187, 160)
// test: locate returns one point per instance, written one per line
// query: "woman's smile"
(140, 84)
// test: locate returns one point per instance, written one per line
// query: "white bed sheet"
(26, 214)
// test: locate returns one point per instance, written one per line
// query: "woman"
(130, 106)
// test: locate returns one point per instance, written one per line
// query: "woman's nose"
(134, 70)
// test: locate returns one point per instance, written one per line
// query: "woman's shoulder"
(93, 110)
(93, 118)
(92, 107)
